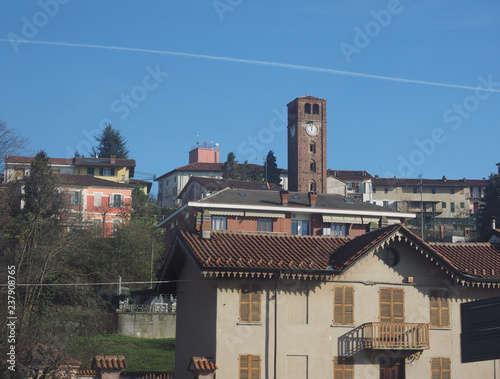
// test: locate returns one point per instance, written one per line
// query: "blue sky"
(411, 86)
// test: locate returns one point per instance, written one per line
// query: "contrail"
(256, 62)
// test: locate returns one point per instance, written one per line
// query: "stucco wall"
(147, 325)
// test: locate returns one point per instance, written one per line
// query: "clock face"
(312, 129)
(292, 130)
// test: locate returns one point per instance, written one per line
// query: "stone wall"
(146, 325)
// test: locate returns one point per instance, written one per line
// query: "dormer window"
(307, 108)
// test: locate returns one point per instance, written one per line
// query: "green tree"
(273, 173)
(490, 207)
(230, 170)
(110, 143)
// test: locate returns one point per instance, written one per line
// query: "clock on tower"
(307, 144)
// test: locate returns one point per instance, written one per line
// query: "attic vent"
(243, 194)
(349, 200)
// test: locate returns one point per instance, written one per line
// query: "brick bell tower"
(307, 144)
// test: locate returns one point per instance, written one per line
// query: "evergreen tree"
(273, 173)
(490, 207)
(110, 143)
(229, 170)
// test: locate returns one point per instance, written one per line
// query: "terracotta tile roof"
(86, 373)
(326, 255)
(89, 181)
(478, 260)
(40, 355)
(349, 174)
(261, 251)
(28, 160)
(109, 362)
(202, 364)
(402, 182)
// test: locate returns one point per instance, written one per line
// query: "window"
(433, 190)
(312, 187)
(343, 305)
(97, 199)
(415, 189)
(107, 172)
(338, 230)
(343, 367)
(312, 148)
(90, 171)
(96, 222)
(307, 108)
(374, 189)
(300, 227)
(415, 205)
(117, 201)
(386, 203)
(440, 309)
(249, 367)
(219, 223)
(265, 224)
(475, 192)
(440, 368)
(312, 166)
(452, 191)
(452, 207)
(390, 257)
(386, 190)
(444, 204)
(391, 305)
(250, 304)
(315, 108)
(75, 198)
(462, 205)
(116, 225)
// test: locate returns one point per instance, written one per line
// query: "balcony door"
(393, 369)
(391, 315)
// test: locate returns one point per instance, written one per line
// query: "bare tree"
(11, 142)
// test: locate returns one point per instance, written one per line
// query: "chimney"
(284, 197)
(113, 159)
(493, 223)
(205, 224)
(313, 197)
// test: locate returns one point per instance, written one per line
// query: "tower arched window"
(307, 108)
(312, 166)
(315, 108)
(312, 186)
(312, 148)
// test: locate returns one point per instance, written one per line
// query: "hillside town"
(256, 271)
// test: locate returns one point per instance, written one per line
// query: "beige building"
(441, 198)
(383, 304)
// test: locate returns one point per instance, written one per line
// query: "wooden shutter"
(249, 367)
(391, 305)
(249, 303)
(343, 305)
(440, 368)
(343, 368)
(440, 309)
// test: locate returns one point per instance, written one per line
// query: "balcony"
(395, 336)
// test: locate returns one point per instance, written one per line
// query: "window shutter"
(349, 305)
(385, 305)
(255, 367)
(337, 305)
(398, 305)
(244, 304)
(244, 366)
(391, 305)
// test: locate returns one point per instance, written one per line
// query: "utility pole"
(421, 206)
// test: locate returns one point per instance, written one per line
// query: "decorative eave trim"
(270, 274)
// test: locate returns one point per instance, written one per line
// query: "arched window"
(312, 166)
(307, 108)
(312, 148)
(312, 186)
(315, 108)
